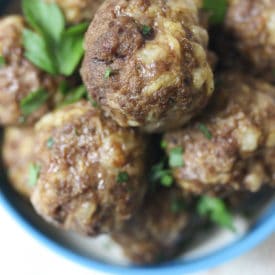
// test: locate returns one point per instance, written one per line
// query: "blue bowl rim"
(264, 227)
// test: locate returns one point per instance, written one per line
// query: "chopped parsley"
(51, 46)
(74, 95)
(161, 175)
(216, 210)
(163, 144)
(217, 10)
(50, 143)
(2, 61)
(122, 177)
(177, 205)
(108, 72)
(203, 128)
(176, 157)
(33, 101)
(34, 173)
(146, 30)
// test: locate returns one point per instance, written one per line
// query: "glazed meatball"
(78, 10)
(18, 77)
(92, 175)
(252, 24)
(146, 63)
(18, 155)
(159, 230)
(225, 148)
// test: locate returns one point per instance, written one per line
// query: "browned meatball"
(18, 156)
(225, 148)
(18, 77)
(78, 10)
(92, 175)
(252, 24)
(146, 63)
(159, 230)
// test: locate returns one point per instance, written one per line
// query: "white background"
(21, 254)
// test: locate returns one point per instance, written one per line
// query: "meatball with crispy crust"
(146, 63)
(18, 77)
(225, 148)
(92, 175)
(78, 10)
(252, 24)
(159, 230)
(18, 156)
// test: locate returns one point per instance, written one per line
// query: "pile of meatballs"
(156, 78)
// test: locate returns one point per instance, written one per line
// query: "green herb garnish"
(203, 128)
(74, 95)
(177, 205)
(52, 47)
(108, 72)
(146, 30)
(160, 174)
(216, 210)
(33, 101)
(122, 177)
(34, 173)
(50, 143)
(2, 61)
(176, 157)
(217, 10)
(163, 144)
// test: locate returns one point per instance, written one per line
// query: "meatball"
(146, 63)
(78, 10)
(18, 155)
(92, 176)
(159, 230)
(252, 24)
(18, 77)
(225, 148)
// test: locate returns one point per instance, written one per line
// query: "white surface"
(21, 254)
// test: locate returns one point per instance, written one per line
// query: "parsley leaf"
(36, 51)
(46, 18)
(176, 157)
(71, 49)
(33, 101)
(50, 143)
(146, 30)
(34, 173)
(108, 72)
(203, 128)
(2, 61)
(163, 144)
(53, 48)
(74, 95)
(217, 211)
(160, 174)
(217, 10)
(122, 177)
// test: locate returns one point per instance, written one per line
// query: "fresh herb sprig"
(34, 173)
(52, 47)
(217, 10)
(216, 210)
(33, 101)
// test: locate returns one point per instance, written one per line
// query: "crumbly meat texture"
(146, 62)
(18, 156)
(18, 77)
(77, 11)
(159, 230)
(241, 124)
(252, 24)
(79, 187)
